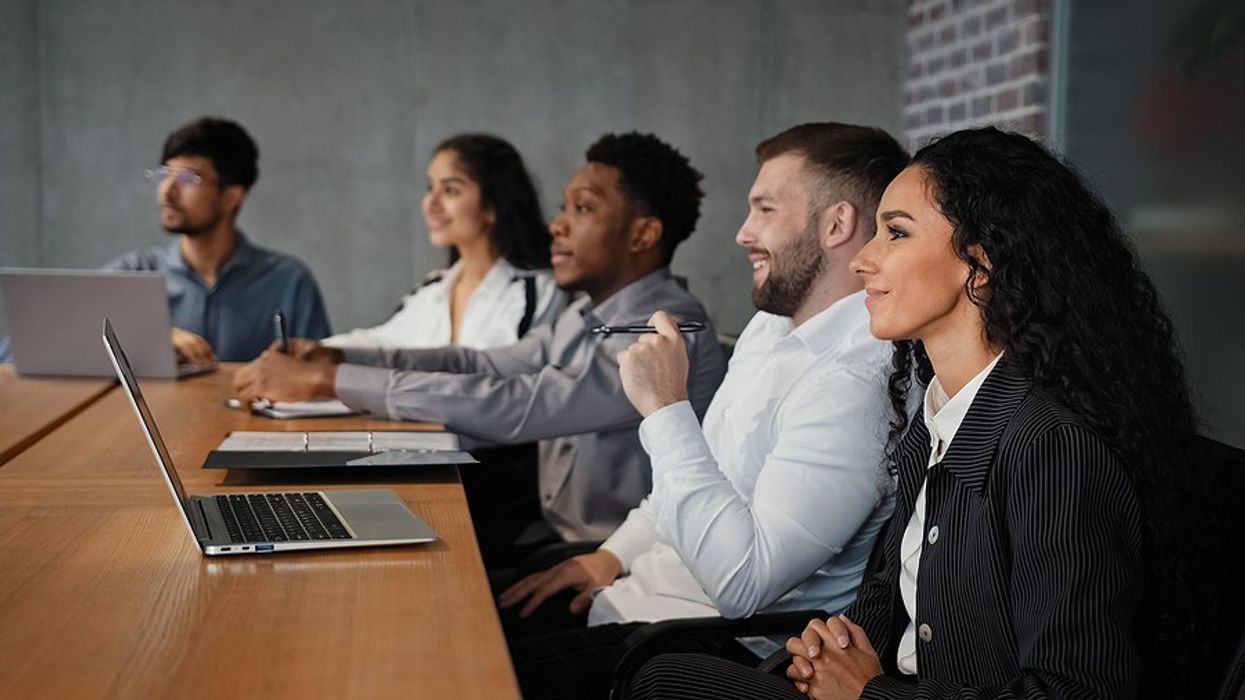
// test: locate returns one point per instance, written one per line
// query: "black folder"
(277, 458)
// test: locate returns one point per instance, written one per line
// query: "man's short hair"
(847, 162)
(232, 151)
(656, 180)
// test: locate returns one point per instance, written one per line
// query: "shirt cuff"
(634, 537)
(363, 355)
(363, 388)
(671, 434)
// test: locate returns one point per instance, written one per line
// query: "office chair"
(655, 638)
(1221, 622)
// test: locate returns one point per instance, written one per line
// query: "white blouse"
(492, 318)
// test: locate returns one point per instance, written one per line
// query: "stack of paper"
(337, 441)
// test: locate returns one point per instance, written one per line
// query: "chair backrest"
(1221, 616)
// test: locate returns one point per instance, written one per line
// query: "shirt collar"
(833, 325)
(495, 281)
(446, 281)
(618, 306)
(173, 254)
(243, 254)
(943, 414)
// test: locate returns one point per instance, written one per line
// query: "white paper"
(256, 441)
(338, 441)
(386, 440)
(413, 457)
(318, 408)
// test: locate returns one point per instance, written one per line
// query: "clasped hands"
(832, 659)
(309, 371)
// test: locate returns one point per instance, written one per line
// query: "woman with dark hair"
(1035, 550)
(482, 205)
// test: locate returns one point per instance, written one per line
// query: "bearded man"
(223, 289)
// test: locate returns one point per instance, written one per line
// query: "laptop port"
(226, 549)
(263, 548)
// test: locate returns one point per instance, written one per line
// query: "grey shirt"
(559, 385)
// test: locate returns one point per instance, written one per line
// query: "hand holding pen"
(654, 369)
(280, 332)
(682, 326)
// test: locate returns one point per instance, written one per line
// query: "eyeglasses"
(182, 176)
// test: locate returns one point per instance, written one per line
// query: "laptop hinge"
(202, 529)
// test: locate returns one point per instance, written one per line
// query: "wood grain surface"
(31, 407)
(103, 594)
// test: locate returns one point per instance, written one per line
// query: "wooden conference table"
(103, 593)
(32, 407)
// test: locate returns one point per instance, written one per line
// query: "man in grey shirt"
(623, 215)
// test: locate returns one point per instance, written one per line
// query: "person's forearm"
(504, 410)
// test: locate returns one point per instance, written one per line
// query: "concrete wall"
(19, 132)
(347, 99)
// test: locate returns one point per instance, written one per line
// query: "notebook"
(318, 408)
(246, 449)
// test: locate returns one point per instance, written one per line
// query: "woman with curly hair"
(1035, 548)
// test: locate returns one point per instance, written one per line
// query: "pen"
(684, 326)
(278, 322)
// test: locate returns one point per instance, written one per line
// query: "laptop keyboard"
(279, 517)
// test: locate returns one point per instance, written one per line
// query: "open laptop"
(53, 316)
(250, 523)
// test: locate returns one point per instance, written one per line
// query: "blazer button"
(925, 632)
(933, 535)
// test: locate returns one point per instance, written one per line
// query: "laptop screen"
(122, 365)
(137, 303)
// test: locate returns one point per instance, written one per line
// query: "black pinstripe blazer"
(1029, 586)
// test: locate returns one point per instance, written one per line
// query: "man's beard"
(792, 271)
(185, 228)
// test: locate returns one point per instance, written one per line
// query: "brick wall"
(976, 63)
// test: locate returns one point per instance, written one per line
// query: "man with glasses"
(223, 290)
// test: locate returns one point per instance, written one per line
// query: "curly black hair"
(1068, 301)
(519, 233)
(224, 142)
(656, 179)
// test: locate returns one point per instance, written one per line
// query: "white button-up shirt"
(776, 502)
(491, 319)
(943, 416)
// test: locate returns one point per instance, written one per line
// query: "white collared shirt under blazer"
(776, 502)
(494, 312)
